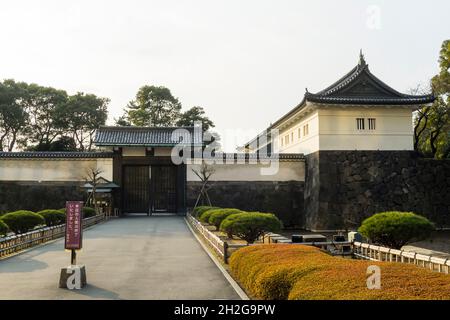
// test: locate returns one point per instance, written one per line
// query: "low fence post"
(225, 252)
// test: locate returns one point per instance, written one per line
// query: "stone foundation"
(37, 196)
(345, 187)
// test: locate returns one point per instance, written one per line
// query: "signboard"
(74, 225)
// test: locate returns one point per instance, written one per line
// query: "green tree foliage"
(63, 143)
(432, 123)
(13, 116)
(43, 105)
(251, 225)
(193, 115)
(153, 106)
(22, 221)
(81, 116)
(395, 229)
(46, 119)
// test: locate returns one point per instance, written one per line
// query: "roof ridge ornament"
(362, 61)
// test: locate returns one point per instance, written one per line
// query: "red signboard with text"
(74, 225)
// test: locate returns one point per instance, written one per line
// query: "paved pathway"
(127, 258)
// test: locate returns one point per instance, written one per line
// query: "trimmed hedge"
(395, 229)
(22, 221)
(250, 225)
(88, 212)
(3, 228)
(304, 272)
(198, 211)
(53, 217)
(204, 216)
(218, 215)
(227, 223)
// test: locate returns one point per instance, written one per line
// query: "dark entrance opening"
(164, 189)
(151, 189)
(136, 189)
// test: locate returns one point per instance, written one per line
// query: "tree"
(63, 143)
(42, 104)
(93, 178)
(153, 106)
(80, 116)
(13, 116)
(395, 229)
(432, 123)
(203, 173)
(195, 114)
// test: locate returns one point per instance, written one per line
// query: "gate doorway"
(136, 189)
(149, 189)
(164, 188)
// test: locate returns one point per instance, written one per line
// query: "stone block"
(73, 272)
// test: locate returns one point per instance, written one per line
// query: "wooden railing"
(377, 253)
(222, 248)
(16, 243)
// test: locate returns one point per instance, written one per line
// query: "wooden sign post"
(74, 276)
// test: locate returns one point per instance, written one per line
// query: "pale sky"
(246, 62)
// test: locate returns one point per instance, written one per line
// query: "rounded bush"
(395, 229)
(22, 221)
(88, 212)
(53, 217)
(250, 226)
(227, 224)
(198, 211)
(3, 228)
(218, 215)
(204, 216)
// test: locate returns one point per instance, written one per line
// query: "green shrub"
(395, 229)
(250, 226)
(22, 221)
(204, 216)
(198, 211)
(227, 224)
(3, 228)
(299, 272)
(88, 212)
(218, 215)
(53, 217)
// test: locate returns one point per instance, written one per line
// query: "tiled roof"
(147, 136)
(55, 154)
(359, 87)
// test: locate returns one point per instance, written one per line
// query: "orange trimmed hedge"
(297, 272)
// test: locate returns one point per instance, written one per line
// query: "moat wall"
(342, 188)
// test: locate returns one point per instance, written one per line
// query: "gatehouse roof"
(147, 136)
(359, 87)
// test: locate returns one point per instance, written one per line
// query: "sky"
(246, 62)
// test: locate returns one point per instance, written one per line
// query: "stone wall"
(283, 198)
(344, 187)
(37, 196)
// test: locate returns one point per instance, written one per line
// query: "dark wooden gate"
(136, 189)
(164, 186)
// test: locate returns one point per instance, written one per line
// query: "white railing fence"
(19, 242)
(377, 253)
